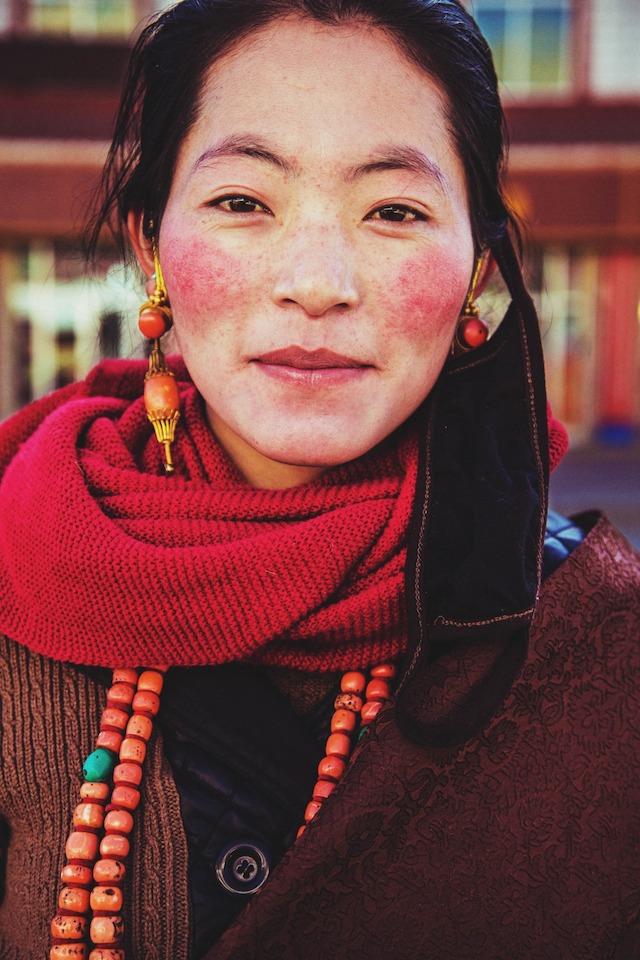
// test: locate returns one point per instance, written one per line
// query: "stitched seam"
(523, 615)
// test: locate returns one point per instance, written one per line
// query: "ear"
(142, 246)
(489, 267)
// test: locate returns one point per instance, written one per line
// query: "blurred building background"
(570, 75)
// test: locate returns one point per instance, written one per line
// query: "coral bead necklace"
(90, 901)
(89, 923)
(352, 714)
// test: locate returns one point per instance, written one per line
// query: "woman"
(355, 512)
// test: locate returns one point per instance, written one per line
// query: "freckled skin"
(317, 260)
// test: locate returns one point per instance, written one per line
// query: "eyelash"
(402, 208)
(407, 214)
(241, 199)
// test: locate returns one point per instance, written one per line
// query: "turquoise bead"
(99, 765)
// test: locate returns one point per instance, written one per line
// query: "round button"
(242, 867)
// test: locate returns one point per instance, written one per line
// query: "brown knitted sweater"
(524, 843)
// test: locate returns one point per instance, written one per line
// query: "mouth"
(301, 359)
(311, 368)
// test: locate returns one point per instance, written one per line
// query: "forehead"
(330, 90)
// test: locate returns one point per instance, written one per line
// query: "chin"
(316, 452)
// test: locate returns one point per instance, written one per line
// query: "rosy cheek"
(202, 281)
(426, 297)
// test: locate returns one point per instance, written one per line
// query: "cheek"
(426, 298)
(203, 282)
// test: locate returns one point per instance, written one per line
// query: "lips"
(301, 359)
(299, 369)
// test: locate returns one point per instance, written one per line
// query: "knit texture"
(105, 560)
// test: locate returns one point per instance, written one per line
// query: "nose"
(317, 271)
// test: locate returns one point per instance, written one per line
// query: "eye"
(396, 213)
(239, 204)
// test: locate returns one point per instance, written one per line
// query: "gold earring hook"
(159, 296)
(470, 306)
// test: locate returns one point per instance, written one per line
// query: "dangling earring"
(472, 330)
(161, 396)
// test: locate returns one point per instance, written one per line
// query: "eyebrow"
(386, 157)
(243, 146)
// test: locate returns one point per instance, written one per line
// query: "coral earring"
(162, 402)
(473, 332)
(153, 321)
(161, 395)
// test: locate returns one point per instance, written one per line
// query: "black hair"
(170, 60)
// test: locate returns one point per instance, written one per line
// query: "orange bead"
(145, 701)
(113, 717)
(343, 721)
(107, 899)
(353, 682)
(95, 791)
(348, 701)
(88, 815)
(370, 710)
(68, 928)
(378, 690)
(133, 750)
(140, 726)
(384, 670)
(125, 675)
(474, 333)
(331, 768)
(74, 899)
(323, 789)
(109, 871)
(107, 930)
(82, 846)
(128, 773)
(111, 954)
(161, 393)
(114, 846)
(109, 739)
(151, 680)
(120, 694)
(68, 951)
(152, 323)
(127, 797)
(312, 809)
(301, 830)
(118, 821)
(75, 873)
(338, 745)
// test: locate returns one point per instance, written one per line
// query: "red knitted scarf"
(105, 560)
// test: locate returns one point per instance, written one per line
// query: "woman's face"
(316, 246)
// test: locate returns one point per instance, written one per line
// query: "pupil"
(393, 213)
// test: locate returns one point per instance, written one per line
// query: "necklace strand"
(351, 718)
(90, 901)
(91, 898)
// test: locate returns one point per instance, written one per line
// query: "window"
(530, 40)
(564, 284)
(84, 17)
(56, 321)
(615, 32)
(108, 19)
